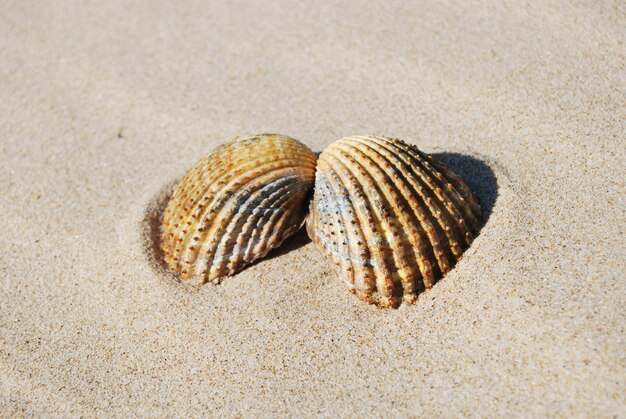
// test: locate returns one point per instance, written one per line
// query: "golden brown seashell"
(237, 204)
(391, 218)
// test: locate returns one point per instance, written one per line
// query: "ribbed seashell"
(237, 204)
(392, 219)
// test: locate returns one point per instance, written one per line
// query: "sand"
(104, 105)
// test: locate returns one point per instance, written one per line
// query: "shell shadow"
(478, 175)
(151, 228)
(291, 243)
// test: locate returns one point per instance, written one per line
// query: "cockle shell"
(237, 204)
(391, 218)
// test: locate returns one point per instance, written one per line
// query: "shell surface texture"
(391, 218)
(235, 205)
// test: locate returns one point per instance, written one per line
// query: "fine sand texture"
(104, 105)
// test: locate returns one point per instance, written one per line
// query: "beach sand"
(104, 105)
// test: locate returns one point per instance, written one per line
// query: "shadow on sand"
(151, 227)
(477, 174)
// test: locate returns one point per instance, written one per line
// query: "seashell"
(392, 219)
(237, 204)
